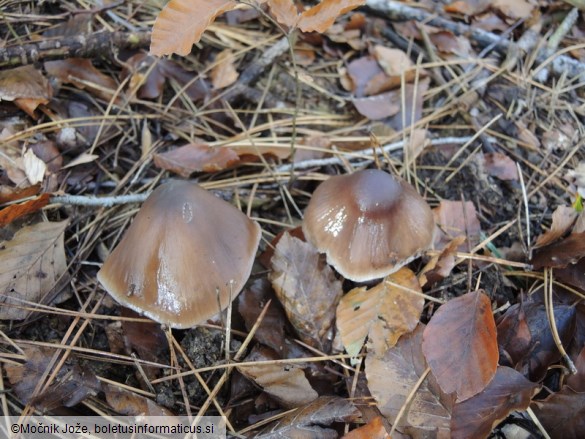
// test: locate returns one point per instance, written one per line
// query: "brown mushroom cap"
(186, 255)
(369, 223)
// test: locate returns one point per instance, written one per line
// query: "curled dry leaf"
(383, 313)
(71, 385)
(307, 288)
(14, 211)
(82, 74)
(440, 266)
(477, 416)
(32, 265)
(224, 73)
(196, 157)
(392, 377)
(562, 219)
(460, 345)
(456, 218)
(311, 421)
(284, 382)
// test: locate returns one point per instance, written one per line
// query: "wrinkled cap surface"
(185, 256)
(368, 223)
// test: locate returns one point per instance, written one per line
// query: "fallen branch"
(79, 46)
(560, 64)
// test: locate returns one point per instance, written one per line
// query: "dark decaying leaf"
(526, 341)
(478, 415)
(33, 267)
(562, 414)
(72, 384)
(561, 253)
(308, 290)
(392, 378)
(572, 274)
(382, 313)
(460, 345)
(312, 420)
(128, 403)
(251, 302)
(284, 382)
(577, 382)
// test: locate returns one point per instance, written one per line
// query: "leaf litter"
(491, 142)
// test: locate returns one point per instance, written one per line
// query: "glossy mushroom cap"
(186, 255)
(369, 224)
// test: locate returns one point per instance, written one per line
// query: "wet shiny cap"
(185, 256)
(369, 223)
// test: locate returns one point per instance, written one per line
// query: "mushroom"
(185, 256)
(369, 223)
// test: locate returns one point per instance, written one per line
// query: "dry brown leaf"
(284, 382)
(82, 74)
(456, 218)
(477, 416)
(577, 382)
(562, 414)
(24, 82)
(224, 73)
(379, 106)
(311, 421)
(321, 16)
(500, 166)
(285, 12)
(383, 313)
(561, 253)
(32, 265)
(394, 62)
(392, 378)
(34, 168)
(181, 23)
(460, 345)
(372, 430)
(562, 219)
(307, 288)
(14, 211)
(196, 157)
(440, 266)
(131, 404)
(72, 384)
(9, 194)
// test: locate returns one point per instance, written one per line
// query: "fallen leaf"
(456, 218)
(572, 274)
(411, 112)
(33, 167)
(526, 341)
(284, 382)
(372, 430)
(321, 16)
(562, 414)
(577, 175)
(379, 106)
(32, 266)
(562, 219)
(251, 303)
(460, 345)
(383, 313)
(224, 73)
(71, 385)
(392, 378)
(311, 421)
(196, 157)
(440, 266)
(577, 382)
(285, 12)
(82, 74)
(307, 288)
(500, 166)
(26, 87)
(561, 253)
(129, 403)
(361, 71)
(48, 152)
(395, 63)
(14, 211)
(81, 159)
(477, 416)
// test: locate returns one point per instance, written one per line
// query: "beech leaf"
(32, 264)
(196, 157)
(320, 17)
(383, 312)
(460, 345)
(307, 288)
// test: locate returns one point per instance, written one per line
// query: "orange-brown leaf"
(224, 72)
(284, 11)
(14, 211)
(477, 416)
(372, 430)
(196, 157)
(460, 345)
(321, 16)
(182, 22)
(383, 313)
